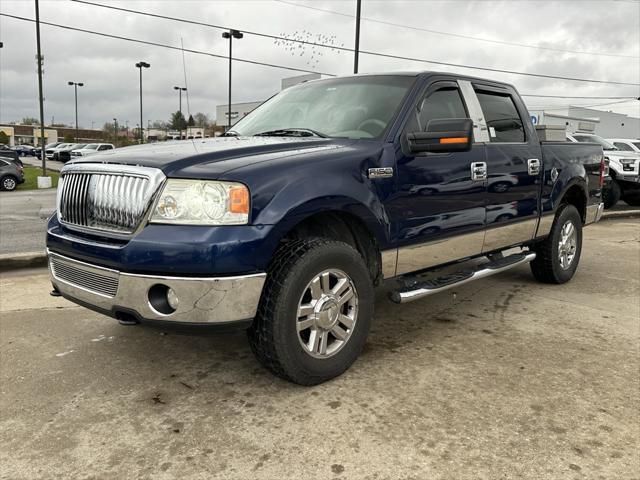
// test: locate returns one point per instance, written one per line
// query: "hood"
(210, 157)
(619, 154)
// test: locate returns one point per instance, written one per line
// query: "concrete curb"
(15, 261)
(620, 214)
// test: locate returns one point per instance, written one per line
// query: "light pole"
(140, 66)
(115, 131)
(231, 34)
(75, 88)
(357, 49)
(180, 90)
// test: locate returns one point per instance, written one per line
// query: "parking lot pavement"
(23, 219)
(509, 379)
(36, 162)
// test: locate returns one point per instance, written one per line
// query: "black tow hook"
(55, 293)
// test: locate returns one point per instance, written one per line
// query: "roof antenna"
(184, 70)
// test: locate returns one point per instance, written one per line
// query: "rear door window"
(503, 121)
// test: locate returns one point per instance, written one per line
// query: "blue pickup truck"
(287, 224)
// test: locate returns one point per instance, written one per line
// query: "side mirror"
(443, 136)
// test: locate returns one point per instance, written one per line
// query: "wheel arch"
(337, 219)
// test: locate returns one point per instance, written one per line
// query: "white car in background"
(91, 149)
(626, 144)
(623, 169)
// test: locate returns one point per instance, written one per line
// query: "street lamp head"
(80, 84)
(176, 88)
(143, 65)
(69, 83)
(236, 34)
(226, 35)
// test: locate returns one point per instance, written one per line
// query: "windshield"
(595, 139)
(354, 107)
(637, 144)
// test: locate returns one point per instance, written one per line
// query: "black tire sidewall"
(298, 363)
(15, 183)
(611, 195)
(569, 212)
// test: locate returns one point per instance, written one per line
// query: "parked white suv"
(91, 148)
(623, 169)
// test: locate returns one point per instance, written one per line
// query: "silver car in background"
(91, 149)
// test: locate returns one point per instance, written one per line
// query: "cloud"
(106, 66)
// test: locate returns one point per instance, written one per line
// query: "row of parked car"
(63, 152)
(623, 156)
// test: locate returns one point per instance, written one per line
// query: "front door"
(438, 208)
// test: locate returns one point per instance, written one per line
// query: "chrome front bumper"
(594, 213)
(118, 294)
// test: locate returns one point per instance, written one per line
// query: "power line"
(377, 54)
(155, 44)
(570, 96)
(458, 35)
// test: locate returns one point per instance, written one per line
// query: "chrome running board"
(430, 287)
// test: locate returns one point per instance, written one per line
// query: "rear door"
(514, 168)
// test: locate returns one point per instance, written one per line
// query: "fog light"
(172, 298)
(163, 299)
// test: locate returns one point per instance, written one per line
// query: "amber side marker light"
(239, 200)
(454, 140)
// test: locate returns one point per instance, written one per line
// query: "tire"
(8, 183)
(611, 195)
(547, 266)
(274, 336)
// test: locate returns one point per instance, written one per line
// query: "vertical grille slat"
(106, 201)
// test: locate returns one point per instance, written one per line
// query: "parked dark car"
(330, 188)
(64, 154)
(11, 173)
(24, 150)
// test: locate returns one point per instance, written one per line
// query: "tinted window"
(503, 121)
(444, 103)
(623, 146)
(105, 147)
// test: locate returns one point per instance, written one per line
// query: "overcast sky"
(106, 66)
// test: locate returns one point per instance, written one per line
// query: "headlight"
(202, 202)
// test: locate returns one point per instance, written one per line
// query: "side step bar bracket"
(430, 287)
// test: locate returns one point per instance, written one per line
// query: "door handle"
(478, 171)
(533, 165)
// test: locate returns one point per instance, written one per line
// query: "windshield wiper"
(296, 132)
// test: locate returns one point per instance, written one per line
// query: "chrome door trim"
(430, 254)
(480, 130)
(478, 171)
(509, 234)
(533, 166)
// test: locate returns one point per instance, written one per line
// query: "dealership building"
(588, 120)
(240, 110)
(30, 134)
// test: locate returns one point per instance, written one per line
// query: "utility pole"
(180, 90)
(357, 46)
(41, 98)
(140, 66)
(231, 34)
(115, 130)
(75, 86)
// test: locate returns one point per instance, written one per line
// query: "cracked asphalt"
(508, 379)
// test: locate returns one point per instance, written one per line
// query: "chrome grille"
(111, 198)
(96, 280)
